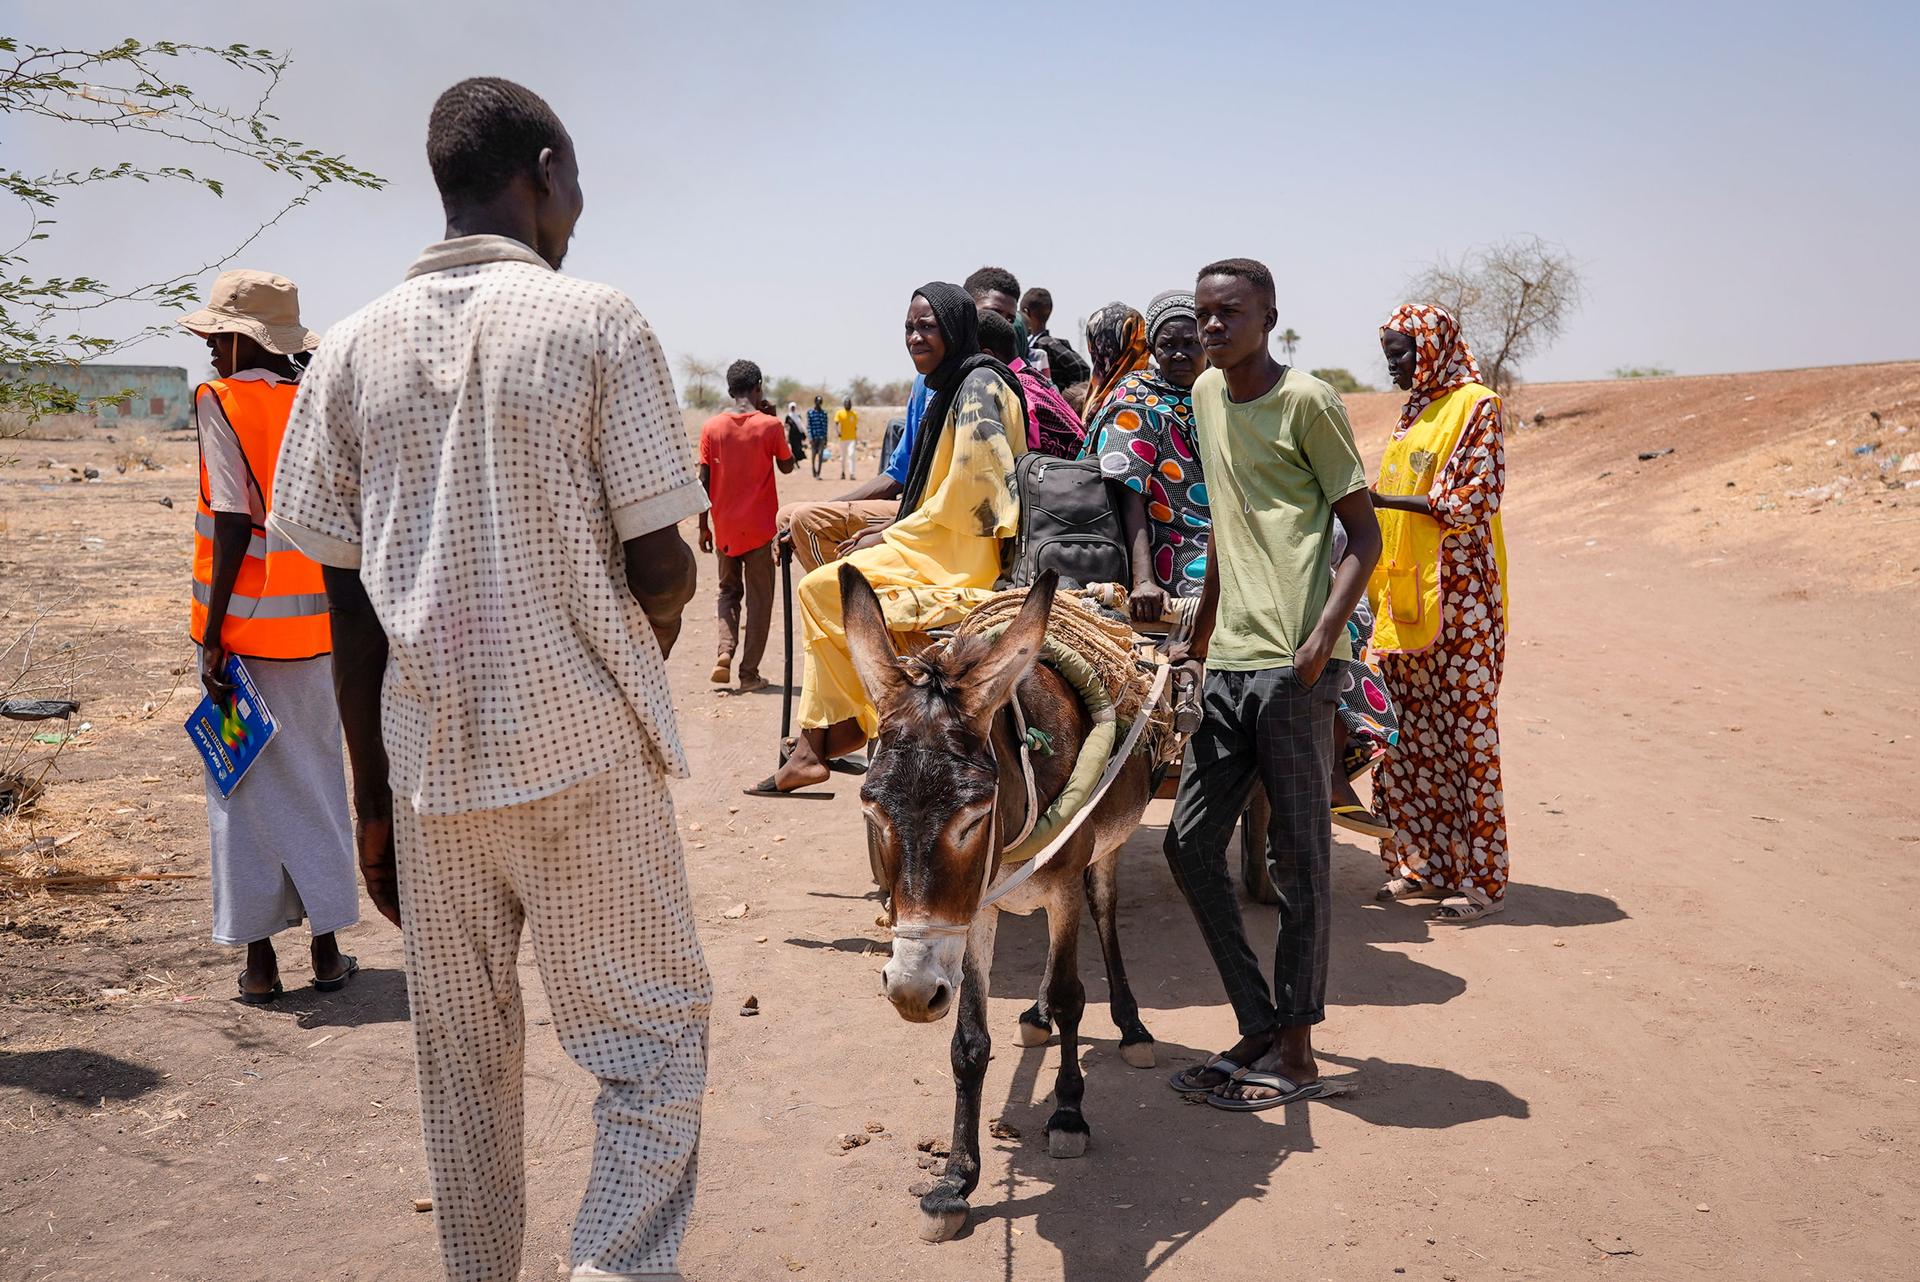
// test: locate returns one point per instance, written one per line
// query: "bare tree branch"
(1512, 300)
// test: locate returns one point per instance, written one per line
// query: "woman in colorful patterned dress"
(1440, 608)
(1143, 437)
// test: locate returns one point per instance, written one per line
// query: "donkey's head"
(932, 792)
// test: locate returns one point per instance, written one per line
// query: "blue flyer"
(231, 739)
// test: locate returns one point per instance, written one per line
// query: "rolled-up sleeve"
(640, 439)
(316, 483)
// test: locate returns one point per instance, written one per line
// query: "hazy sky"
(1739, 181)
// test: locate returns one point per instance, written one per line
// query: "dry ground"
(1687, 1050)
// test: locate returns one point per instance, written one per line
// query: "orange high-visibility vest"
(278, 609)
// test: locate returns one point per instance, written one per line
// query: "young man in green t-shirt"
(1280, 461)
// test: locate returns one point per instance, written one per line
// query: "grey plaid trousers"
(1262, 725)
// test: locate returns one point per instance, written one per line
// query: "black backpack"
(1067, 523)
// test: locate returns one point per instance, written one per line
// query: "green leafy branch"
(128, 89)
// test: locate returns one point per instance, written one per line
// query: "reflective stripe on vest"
(278, 608)
(1408, 611)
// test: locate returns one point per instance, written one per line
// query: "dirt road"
(1686, 1050)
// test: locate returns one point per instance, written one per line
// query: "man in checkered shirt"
(489, 463)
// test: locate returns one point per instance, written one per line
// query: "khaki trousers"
(820, 528)
(746, 578)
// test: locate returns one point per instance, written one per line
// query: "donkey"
(943, 792)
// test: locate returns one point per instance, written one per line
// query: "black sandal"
(259, 999)
(339, 981)
(765, 788)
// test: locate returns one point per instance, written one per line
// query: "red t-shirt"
(739, 451)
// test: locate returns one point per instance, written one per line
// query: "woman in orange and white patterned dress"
(1440, 787)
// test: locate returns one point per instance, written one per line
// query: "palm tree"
(1288, 340)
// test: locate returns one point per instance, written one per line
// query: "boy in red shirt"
(739, 448)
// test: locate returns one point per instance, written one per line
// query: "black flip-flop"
(765, 788)
(1291, 1092)
(267, 998)
(1218, 1064)
(339, 981)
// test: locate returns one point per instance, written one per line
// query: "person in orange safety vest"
(282, 842)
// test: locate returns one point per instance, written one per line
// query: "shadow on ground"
(1123, 1213)
(77, 1075)
(376, 996)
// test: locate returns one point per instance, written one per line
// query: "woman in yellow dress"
(1439, 596)
(941, 557)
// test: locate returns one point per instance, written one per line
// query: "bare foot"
(801, 769)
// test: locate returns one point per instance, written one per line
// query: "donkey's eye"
(968, 820)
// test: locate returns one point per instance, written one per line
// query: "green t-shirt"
(1274, 468)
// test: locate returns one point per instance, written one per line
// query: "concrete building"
(161, 393)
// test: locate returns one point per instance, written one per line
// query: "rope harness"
(1044, 834)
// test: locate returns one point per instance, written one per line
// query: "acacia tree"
(128, 89)
(700, 390)
(1511, 299)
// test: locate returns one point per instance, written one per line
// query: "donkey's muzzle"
(921, 978)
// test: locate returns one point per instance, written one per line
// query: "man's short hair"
(1037, 299)
(996, 335)
(486, 131)
(1254, 273)
(742, 377)
(989, 280)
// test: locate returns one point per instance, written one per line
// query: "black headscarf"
(959, 323)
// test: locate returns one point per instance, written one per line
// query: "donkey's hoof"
(1137, 1054)
(942, 1226)
(1066, 1143)
(1034, 1034)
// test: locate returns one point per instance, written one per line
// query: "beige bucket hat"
(261, 305)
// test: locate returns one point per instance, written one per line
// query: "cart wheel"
(1254, 877)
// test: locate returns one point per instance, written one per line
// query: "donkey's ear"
(990, 682)
(868, 639)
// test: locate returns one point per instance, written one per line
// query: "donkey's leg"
(1103, 894)
(1067, 1131)
(943, 1211)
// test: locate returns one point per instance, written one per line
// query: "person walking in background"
(1440, 622)
(817, 434)
(282, 843)
(846, 425)
(739, 449)
(1271, 618)
(490, 462)
(796, 431)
